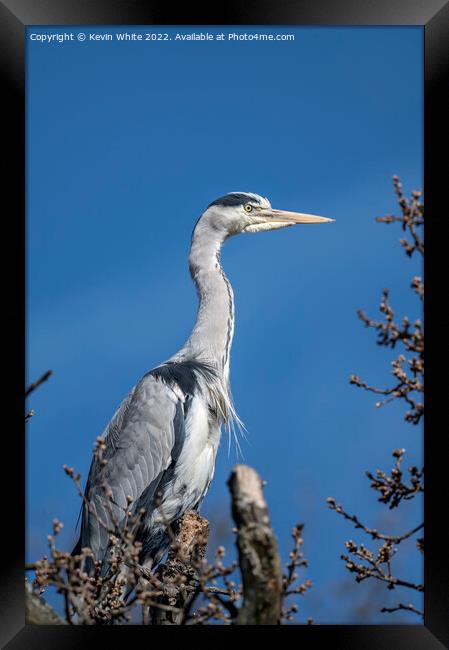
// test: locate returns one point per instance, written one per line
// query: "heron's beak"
(269, 219)
(283, 216)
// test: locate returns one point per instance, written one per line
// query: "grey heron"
(160, 446)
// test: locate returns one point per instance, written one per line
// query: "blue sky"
(127, 143)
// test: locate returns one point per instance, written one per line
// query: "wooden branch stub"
(257, 547)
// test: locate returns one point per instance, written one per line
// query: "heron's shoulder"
(188, 374)
(149, 404)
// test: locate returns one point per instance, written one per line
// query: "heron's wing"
(143, 437)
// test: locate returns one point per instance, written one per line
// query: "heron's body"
(161, 444)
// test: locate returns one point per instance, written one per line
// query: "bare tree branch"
(38, 382)
(408, 608)
(394, 539)
(408, 371)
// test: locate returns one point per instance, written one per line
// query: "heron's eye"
(248, 207)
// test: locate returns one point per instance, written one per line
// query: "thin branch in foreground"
(408, 608)
(392, 488)
(374, 565)
(296, 561)
(38, 382)
(394, 539)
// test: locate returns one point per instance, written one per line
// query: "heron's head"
(239, 212)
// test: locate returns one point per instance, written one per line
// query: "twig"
(408, 608)
(38, 382)
(394, 539)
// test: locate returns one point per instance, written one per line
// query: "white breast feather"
(195, 466)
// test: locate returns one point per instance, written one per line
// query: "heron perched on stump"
(160, 446)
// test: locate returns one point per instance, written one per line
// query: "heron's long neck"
(212, 334)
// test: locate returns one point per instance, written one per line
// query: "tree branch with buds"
(186, 589)
(394, 488)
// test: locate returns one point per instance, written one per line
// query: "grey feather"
(141, 441)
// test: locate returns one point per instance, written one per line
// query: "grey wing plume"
(141, 441)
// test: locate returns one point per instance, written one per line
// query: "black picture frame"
(433, 15)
